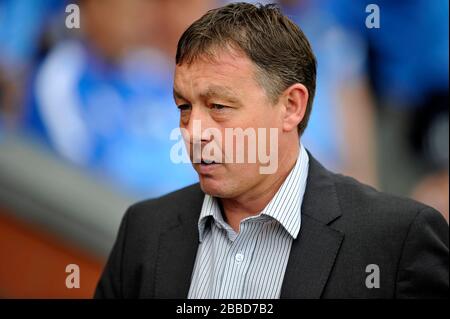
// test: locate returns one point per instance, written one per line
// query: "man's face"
(224, 94)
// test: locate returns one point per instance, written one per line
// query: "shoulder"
(144, 221)
(406, 239)
(369, 209)
(166, 208)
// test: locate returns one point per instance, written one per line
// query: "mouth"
(208, 162)
(207, 166)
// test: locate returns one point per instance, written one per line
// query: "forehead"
(227, 69)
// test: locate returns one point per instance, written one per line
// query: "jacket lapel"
(177, 250)
(311, 260)
(314, 251)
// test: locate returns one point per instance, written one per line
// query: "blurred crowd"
(100, 96)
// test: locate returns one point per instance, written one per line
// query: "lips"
(208, 162)
(207, 166)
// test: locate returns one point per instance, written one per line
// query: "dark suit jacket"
(346, 226)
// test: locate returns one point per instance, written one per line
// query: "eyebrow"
(178, 95)
(220, 92)
(212, 91)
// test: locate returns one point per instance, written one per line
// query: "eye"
(183, 107)
(218, 106)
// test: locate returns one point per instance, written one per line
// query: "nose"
(201, 130)
(198, 124)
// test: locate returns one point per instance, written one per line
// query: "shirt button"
(239, 257)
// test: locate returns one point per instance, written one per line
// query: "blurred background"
(85, 117)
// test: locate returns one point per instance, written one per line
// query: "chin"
(212, 186)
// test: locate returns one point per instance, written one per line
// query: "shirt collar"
(284, 207)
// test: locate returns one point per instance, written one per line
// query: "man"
(298, 232)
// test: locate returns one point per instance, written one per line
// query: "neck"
(256, 199)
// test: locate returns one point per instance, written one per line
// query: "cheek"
(252, 119)
(267, 116)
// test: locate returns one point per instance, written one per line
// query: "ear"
(294, 99)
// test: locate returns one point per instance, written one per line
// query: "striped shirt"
(249, 264)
